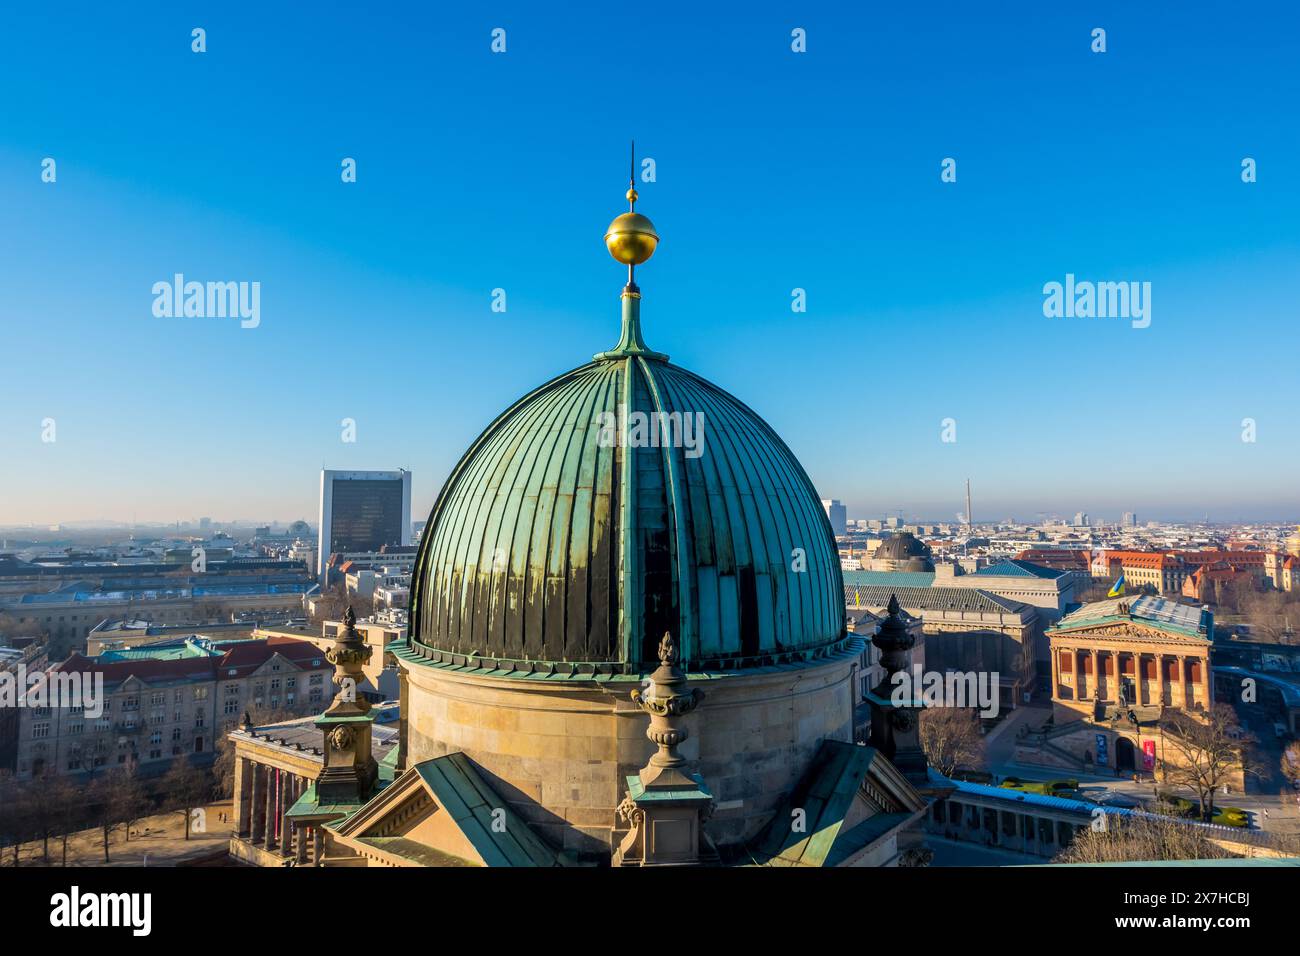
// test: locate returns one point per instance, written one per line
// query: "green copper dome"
(622, 500)
(551, 544)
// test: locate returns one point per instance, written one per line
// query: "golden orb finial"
(631, 237)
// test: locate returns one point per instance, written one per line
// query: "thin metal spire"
(631, 178)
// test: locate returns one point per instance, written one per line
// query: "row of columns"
(1098, 687)
(1011, 830)
(264, 796)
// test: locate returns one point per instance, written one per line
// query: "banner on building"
(1148, 755)
(1102, 759)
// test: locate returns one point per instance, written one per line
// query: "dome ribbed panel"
(522, 558)
(520, 555)
(750, 506)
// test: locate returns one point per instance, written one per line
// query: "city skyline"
(388, 282)
(1061, 515)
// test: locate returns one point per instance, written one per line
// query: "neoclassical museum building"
(628, 646)
(1118, 667)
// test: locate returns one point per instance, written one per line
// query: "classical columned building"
(275, 765)
(1146, 652)
(1117, 667)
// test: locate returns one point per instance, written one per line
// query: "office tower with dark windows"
(362, 511)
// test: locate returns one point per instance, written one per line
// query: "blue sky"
(775, 170)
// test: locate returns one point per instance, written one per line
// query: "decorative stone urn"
(666, 807)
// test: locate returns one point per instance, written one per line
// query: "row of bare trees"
(332, 603)
(52, 807)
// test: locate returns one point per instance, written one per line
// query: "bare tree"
(1208, 751)
(134, 801)
(1291, 763)
(44, 815)
(1272, 615)
(331, 604)
(116, 800)
(1141, 839)
(14, 820)
(223, 768)
(187, 789)
(210, 612)
(67, 803)
(951, 738)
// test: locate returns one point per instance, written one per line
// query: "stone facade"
(560, 753)
(154, 711)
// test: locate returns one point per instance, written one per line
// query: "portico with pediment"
(1147, 652)
(1117, 667)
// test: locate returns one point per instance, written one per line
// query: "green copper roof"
(824, 796)
(1012, 568)
(1163, 614)
(552, 542)
(461, 791)
(889, 579)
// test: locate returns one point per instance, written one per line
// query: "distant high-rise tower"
(362, 511)
(1130, 520)
(838, 515)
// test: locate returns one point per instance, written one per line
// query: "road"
(1281, 804)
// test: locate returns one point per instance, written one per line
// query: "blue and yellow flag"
(1117, 589)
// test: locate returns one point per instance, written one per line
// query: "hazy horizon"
(932, 513)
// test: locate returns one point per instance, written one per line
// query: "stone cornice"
(1126, 632)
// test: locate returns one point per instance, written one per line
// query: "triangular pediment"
(441, 812)
(851, 798)
(1127, 631)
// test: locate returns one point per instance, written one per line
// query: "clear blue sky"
(775, 170)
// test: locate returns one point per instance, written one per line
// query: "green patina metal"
(1158, 613)
(551, 543)
(497, 834)
(823, 798)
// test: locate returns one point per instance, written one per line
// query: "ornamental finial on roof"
(631, 239)
(349, 654)
(667, 700)
(667, 650)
